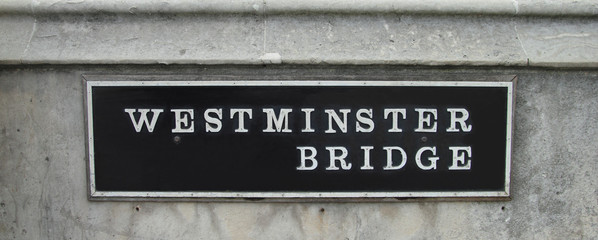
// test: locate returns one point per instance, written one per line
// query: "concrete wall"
(43, 182)
(43, 191)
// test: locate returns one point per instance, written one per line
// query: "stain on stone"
(47, 159)
(2, 204)
(18, 130)
(254, 199)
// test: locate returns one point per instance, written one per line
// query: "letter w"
(138, 124)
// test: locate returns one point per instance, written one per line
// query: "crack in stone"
(521, 44)
(30, 38)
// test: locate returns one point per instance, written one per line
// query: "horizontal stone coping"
(484, 7)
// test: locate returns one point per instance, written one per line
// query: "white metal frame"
(89, 84)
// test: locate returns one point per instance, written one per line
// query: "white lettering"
(364, 120)
(311, 158)
(366, 158)
(459, 161)
(241, 118)
(307, 112)
(389, 165)
(433, 159)
(213, 124)
(278, 122)
(340, 158)
(425, 124)
(182, 124)
(143, 118)
(461, 120)
(342, 125)
(395, 117)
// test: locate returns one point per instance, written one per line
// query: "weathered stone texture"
(362, 39)
(43, 187)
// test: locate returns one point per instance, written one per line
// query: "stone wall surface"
(552, 47)
(470, 40)
(43, 185)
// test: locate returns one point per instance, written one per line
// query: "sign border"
(91, 81)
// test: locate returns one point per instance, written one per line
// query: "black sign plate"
(299, 139)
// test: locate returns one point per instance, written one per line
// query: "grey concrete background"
(43, 191)
(510, 7)
(45, 46)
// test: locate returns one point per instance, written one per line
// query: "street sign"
(298, 139)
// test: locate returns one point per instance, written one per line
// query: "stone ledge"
(473, 7)
(347, 39)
